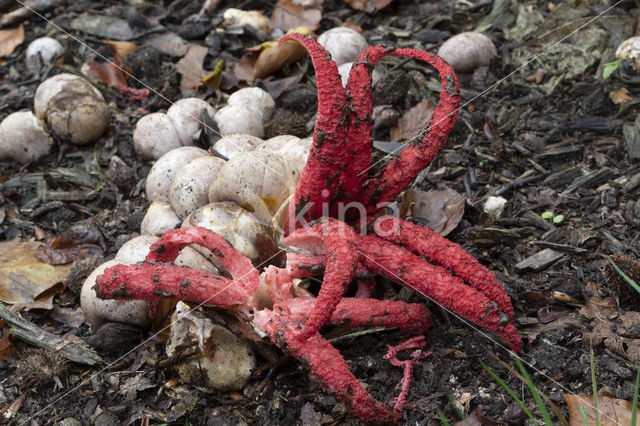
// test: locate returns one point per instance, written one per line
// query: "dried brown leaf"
(412, 122)
(63, 256)
(619, 96)
(190, 66)
(369, 6)
(43, 302)
(439, 210)
(598, 307)
(10, 39)
(107, 72)
(120, 49)
(23, 277)
(287, 15)
(471, 420)
(243, 70)
(275, 87)
(6, 347)
(272, 59)
(548, 314)
(169, 44)
(72, 318)
(612, 411)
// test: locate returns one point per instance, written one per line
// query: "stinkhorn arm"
(336, 241)
(168, 247)
(398, 264)
(328, 157)
(431, 245)
(414, 158)
(157, 281)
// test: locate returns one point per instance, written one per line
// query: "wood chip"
(539, 261)
(589, 180)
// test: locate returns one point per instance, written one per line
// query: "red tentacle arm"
(359, 88)
(149, 282)
(325, 363)
(168, 247)
(398, 264)
(410, 317)
(433, 246)
(417, 343)
(336, 241)
(329, 154)
(415, 157)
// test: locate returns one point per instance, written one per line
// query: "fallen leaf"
(275, 87)
(23, 277)
(214, 79)
(617, 331)
(627, 348)
(10, 39)
(63, 256)
(132, 385)
(106, 27)
(107, 72)
(369, 6)
(612, 411)
(619, 96)
(190, 66)
(120, 49)
(548, 314)
(44, 301)
(309, 416)
(169, 44)
(471, 420)
(72, 318)
(274, 58)
(287, 15)
(439, 210)
(411, 123)
(598, 307)
(243, 70)
(6, 347)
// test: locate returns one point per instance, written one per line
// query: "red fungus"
(337, 172)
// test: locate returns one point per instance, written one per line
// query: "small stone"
(494, 206)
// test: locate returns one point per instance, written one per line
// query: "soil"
(525, 140)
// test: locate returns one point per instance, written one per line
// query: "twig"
(33, 334)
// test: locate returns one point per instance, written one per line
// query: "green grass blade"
(625, 277)
(634, 407)
(509, 391)
(460, 414)
(536, 395)
(583, 414)
(594, 385)
(443, 419)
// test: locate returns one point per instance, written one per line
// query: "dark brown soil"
(522, 141)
